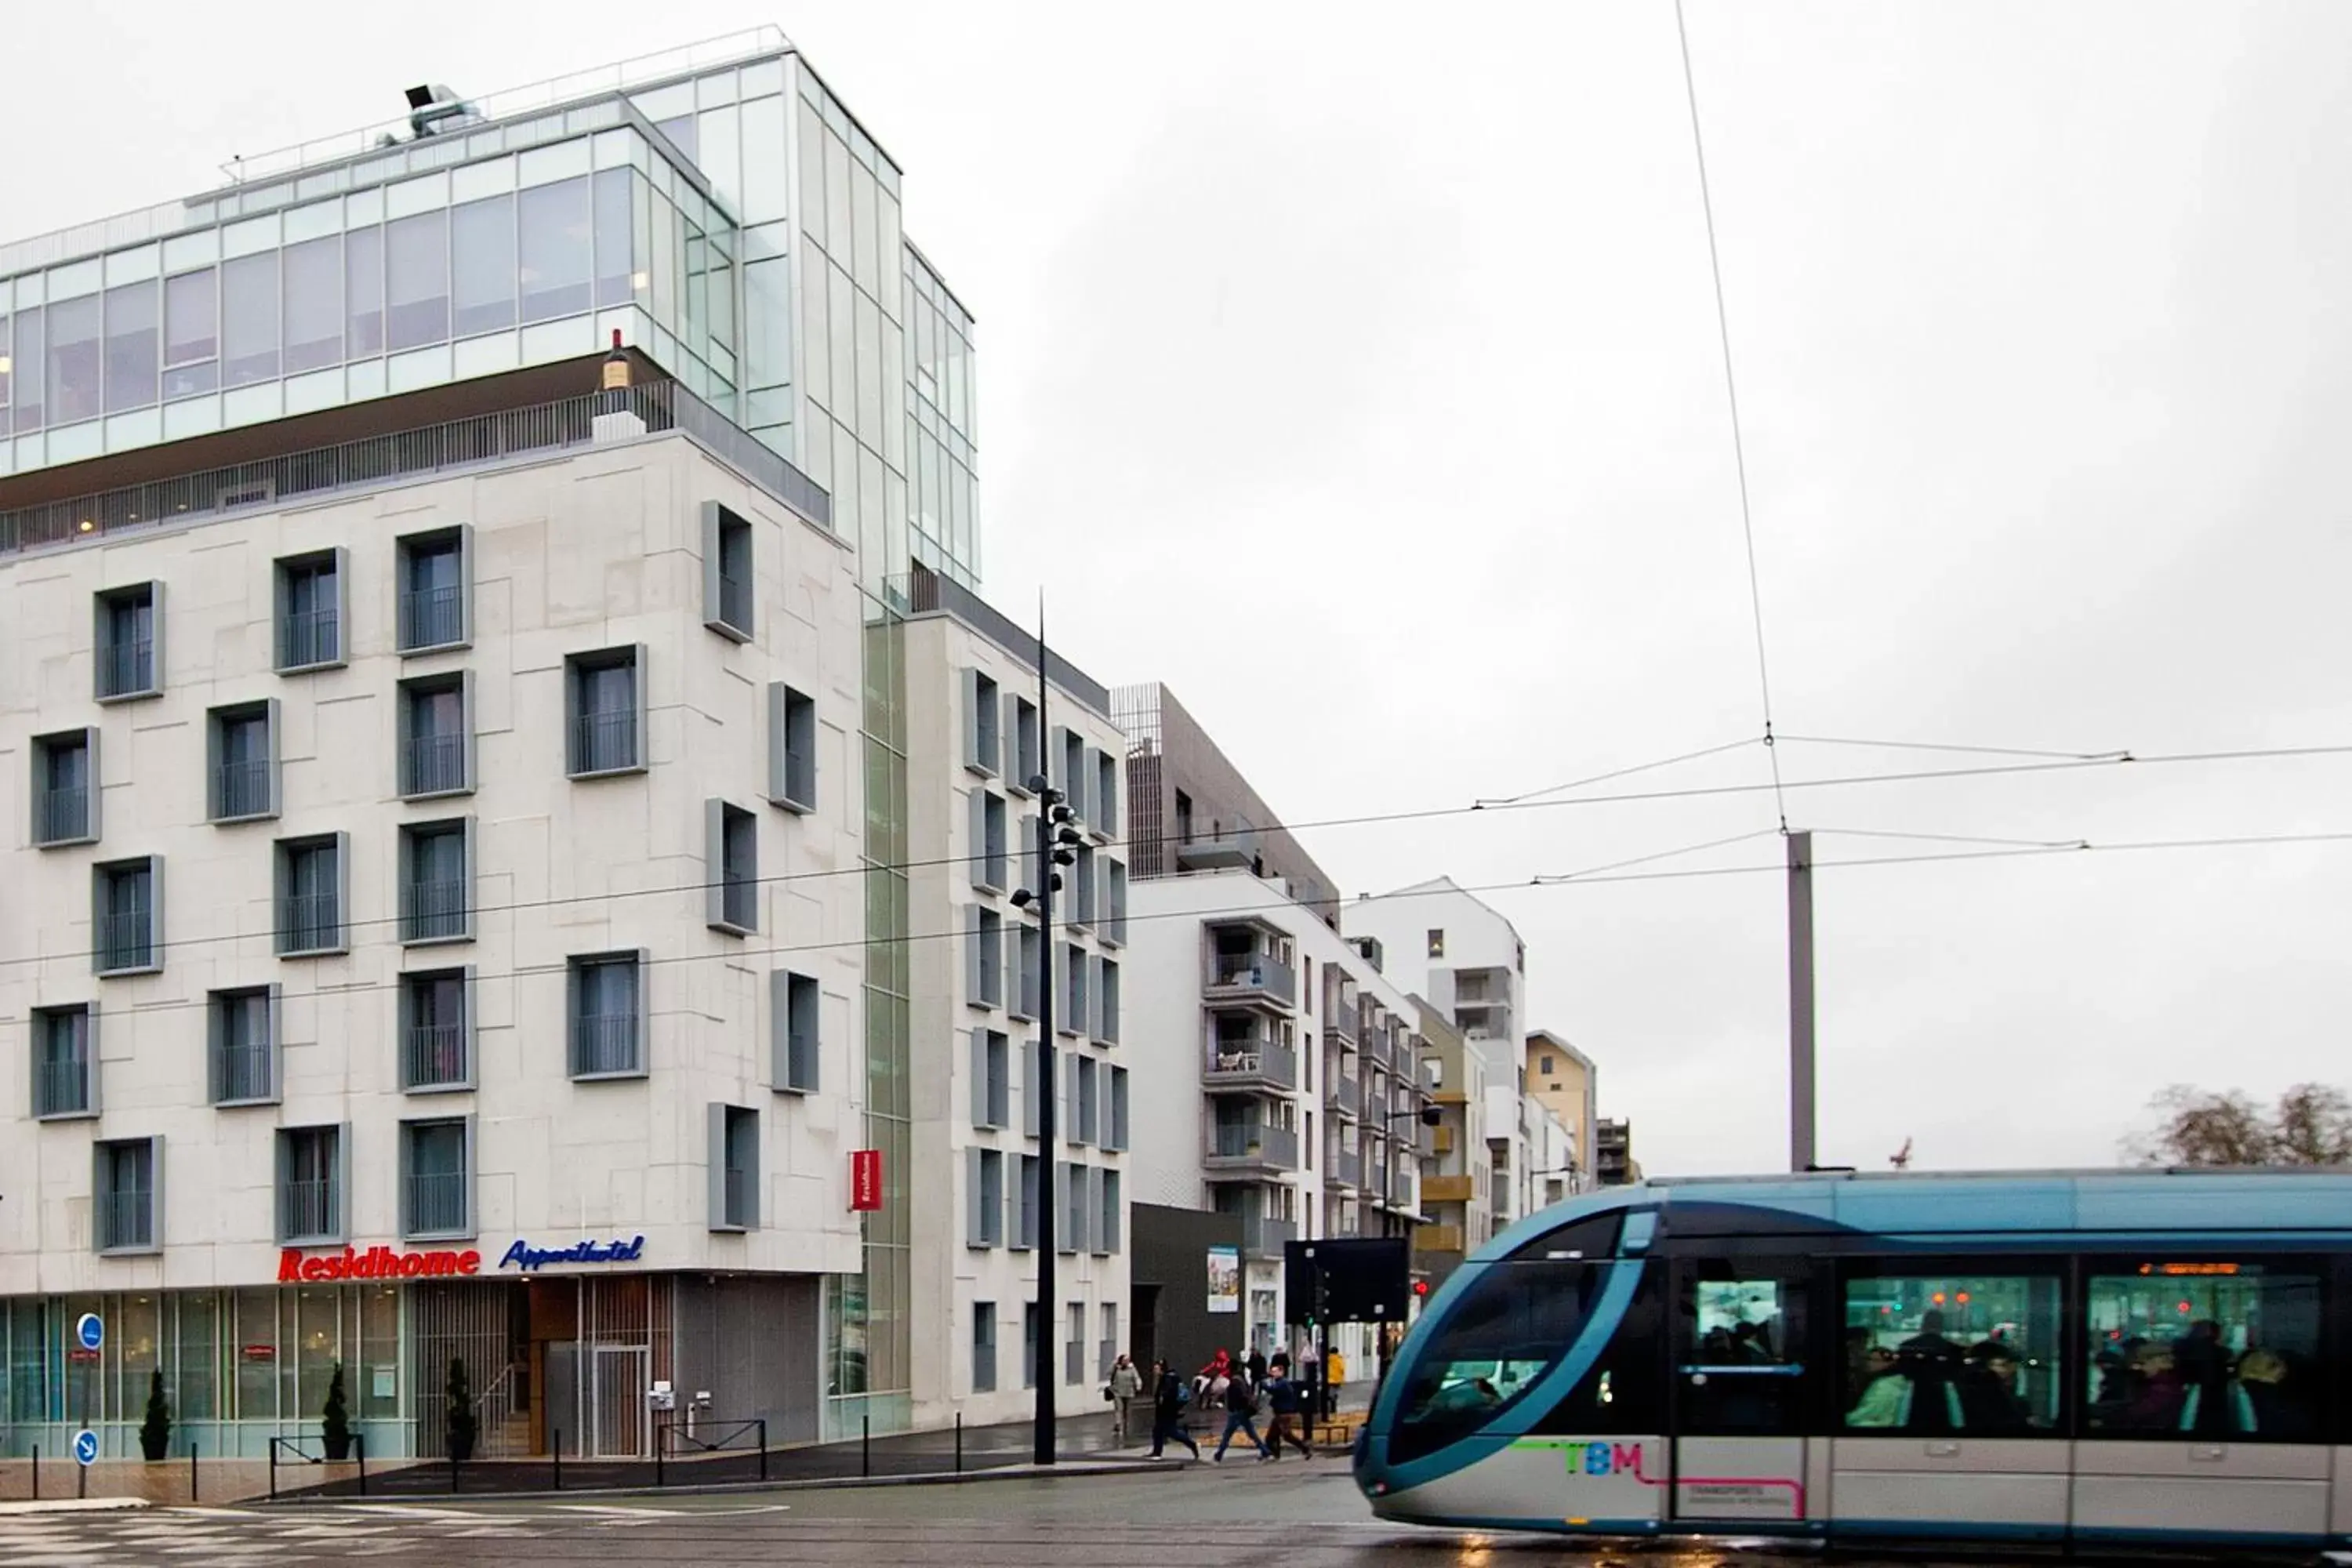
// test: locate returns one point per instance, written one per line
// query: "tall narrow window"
(792, 748)
(556, 269)
(127, 914)
(243, 1026)
(65, 788)
(992, 1077)
(434, 579)
(26, 379)
(314, 304)
(310, 1185)
(731, 869)
(607, 714)
(191, 334)
(310, 881)
(249, 320)
(1027, 758)
(436, 1179)
(364, 292)
(983, 709)
(134, 345)
(608, 1016)
(243, 755)
(129, 642)
(436, 1031)
(727, 572)
(437, 738)
(310, 610)
(616, 259)
(984, 960)
(983, 1224)
(127, 1192)
(984, 1347)
(795, 1001)
(64, 1062)
(482, 256)
(76, 361)
(435, 882)
(734, 1168)
(417, 280)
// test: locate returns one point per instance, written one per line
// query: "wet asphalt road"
(1237, 1515)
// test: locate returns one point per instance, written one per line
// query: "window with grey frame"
(1074, 1346)
(417, 280)
(1105, 1000)
(242, 1029)
(606, 712)
(731, 869)
(134, 345)
(310, 1179)
(1085, 1125)
(1078, 778)
(127, 912)
(1082, 887)
(482, 266)
(608, 1019)
(64, 1062)
(792, 748)
(436, 881)
(191, 334)
(1072, 1235)
(309, 611)
(1105, 794)
(432, 586)
(1028, 1345)
(1114, 910)
(76, 368)
(436, 1030)
(795, 1001)
(728, 585)
(65, 788)
(310, 275)
(1028, 983)
(984, 959)
(249, 323)
(242, 747)
(983, 1223)
(1073, 999)
(436, 735)
(310, 884)
(1028, 759)
(984, 1347)
(126, 1192)
(1108, 1202)
(1114, 1125)
(983, 713)
(128, 642)
(436, 1178)
(992, 1077)
(990, 847)
(735, 1158)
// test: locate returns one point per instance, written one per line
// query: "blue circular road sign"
(90, 1331)
(86, 1446)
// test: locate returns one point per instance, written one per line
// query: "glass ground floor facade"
(552, 1360)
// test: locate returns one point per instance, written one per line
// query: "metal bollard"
(959, 1470)
(763, 1447)
(193, 1497)
(273, 1469)
(36, 1472)
(865, 1444)
(361, 1439)
(661, 1478)
(555, 1450)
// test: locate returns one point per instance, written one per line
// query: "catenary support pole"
(1047, 1081)
(1801, 1151)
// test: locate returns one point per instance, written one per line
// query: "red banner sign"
(375, 1263)
(864, 1180)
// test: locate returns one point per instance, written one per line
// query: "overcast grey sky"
(1353, 369)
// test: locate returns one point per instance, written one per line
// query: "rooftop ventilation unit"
(436, 110)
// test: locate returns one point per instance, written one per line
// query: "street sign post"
(89, 1331)
(90, 1334)
(85, 1447)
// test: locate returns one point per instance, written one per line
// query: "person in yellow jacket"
(1335, 1375)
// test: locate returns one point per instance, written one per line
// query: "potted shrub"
(335, 1420)
(155, 1432)
(458, 1429)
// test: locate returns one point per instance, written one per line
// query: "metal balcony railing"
(432, 617)
(604, 742)
(432, 1056)
(126, 1219)
(63, 814)
(604, 1043)
(1254, 1143)
(1253, 974)
(1252, 1061)
(432, 911)
(436, 1204)
(739, 904)
(1344, 1094)
(308, 637)
(241, 1072)
(1340, 1019)
(124, 668)
(432, 764)
(1263, 1236)
(310, 923)
(1345, 1166)
(126, 940)
(241, 789)
(308, 1208)
(61, 1083)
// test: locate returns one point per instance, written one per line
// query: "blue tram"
(2115, 1357)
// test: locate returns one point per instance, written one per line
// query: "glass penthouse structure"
(720, 208)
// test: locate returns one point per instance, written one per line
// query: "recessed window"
(1115, 1128)
(312, 1180)
(606, 712)
(436, 881)
(436, 735)
(1024, 1201)
(1113, 906)
(127, 915)
(311, 610)
(990, 845)
(1028, 761)
(1106, 799)
(983, 713)
(436, 1188)
(312, 874)
(435, 591)
(728, 583)
(792, 748)
(992, 1077)
(437, 1033)
(1105, 1000)
(1027, 982)
(734, 1168)
(64, 1062)
(127, 1194)
(983, 1224)
(984, 960)
(1082, 887)
(1111, 1211)
(1085, 1124)
(242, 1026)
(984, 1347)
(241, 748)
(129, 642)
(1436, 941)
(608, 1016)
(1073, 1020)
(730, 868)
(794, 1003)
(65, 788)
(1076, 777)
(1028, 1345)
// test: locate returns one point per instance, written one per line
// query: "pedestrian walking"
(1126, 1385)
(1286, 1400)
(1258, 1365)
(1169, 1396)
(1241, 1412)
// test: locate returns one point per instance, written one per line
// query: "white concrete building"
(450, 878)
(1281, 1070)
(975, 742)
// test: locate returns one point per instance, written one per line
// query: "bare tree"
(2310, 1125)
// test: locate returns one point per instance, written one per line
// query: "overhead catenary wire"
(2118, 755)
(1744, 740)
(1731, 396)
(1368, 819)
(1597, 876)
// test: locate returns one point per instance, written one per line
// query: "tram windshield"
(1514, 1324)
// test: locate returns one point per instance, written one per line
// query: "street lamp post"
(1054, 833)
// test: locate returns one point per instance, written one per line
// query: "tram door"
(1740, 1400)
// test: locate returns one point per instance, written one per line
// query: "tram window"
(1514, 1325)
(1740, 1355)
(1970, 1354)
(1620, 1395)
(2210, 1348)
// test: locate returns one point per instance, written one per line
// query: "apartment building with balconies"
(1566, 1082)
(1456, 1195)
(980, 735)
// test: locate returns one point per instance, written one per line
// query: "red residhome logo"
(375, 1263)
